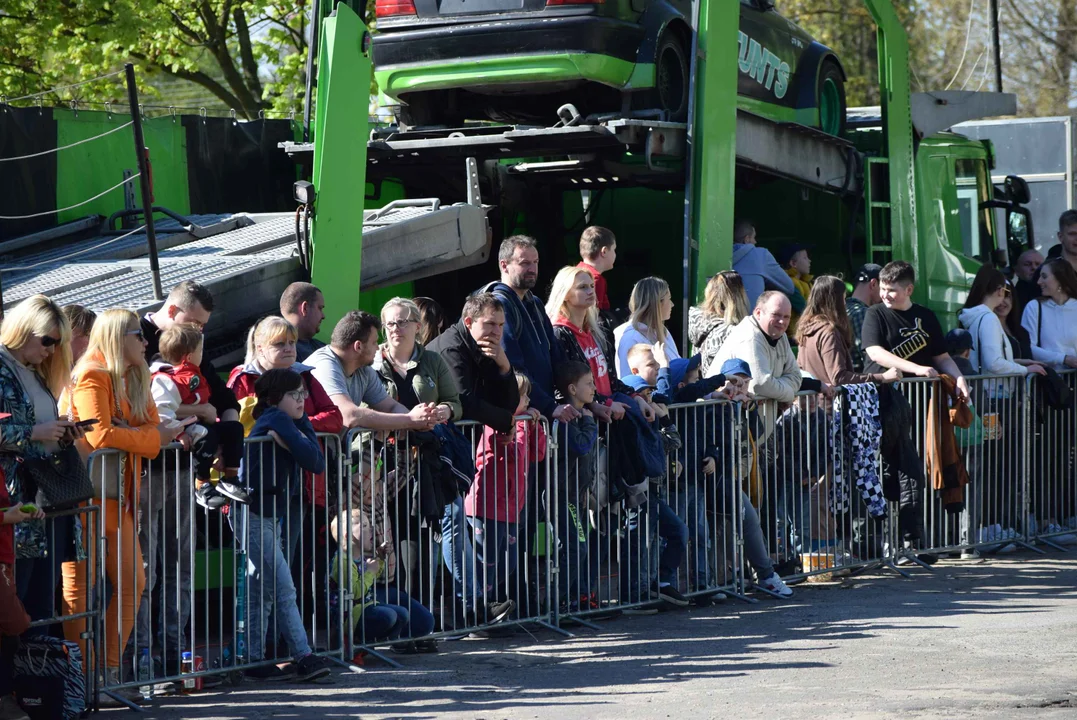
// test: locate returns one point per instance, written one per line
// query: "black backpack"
(49, 679)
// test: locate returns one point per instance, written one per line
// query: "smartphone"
(87, 423)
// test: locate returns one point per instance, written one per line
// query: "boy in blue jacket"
(273, 472)
(577, 443)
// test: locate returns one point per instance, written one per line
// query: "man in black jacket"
(165, 499)
(472, 349)
(489, 394)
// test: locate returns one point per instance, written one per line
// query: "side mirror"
(1019, 227)
(1017, 189)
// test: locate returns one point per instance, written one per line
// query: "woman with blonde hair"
(413, 375)
(825, 337)
(573, 311)
(111, 384)
(725, 303)
(35, 366)
(651, 305)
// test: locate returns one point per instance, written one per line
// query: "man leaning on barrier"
(490, 394)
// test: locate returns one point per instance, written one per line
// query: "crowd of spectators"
(520, 367)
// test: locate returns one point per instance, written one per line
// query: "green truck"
(876, 184)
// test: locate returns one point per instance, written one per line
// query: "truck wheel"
(831, 99)
(671, 76)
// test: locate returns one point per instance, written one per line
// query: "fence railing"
(409, 537)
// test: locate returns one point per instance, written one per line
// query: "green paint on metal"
(893, 46)
(779, 113)
(544, 68)
(86, 170)
(642, 77)
(714, 147)
(341, 127)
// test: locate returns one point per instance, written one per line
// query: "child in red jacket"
(497, 496)
(178, 381)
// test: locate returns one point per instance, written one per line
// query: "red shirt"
(192, 385)
(601, 300)
(595, 357)
(7, 532)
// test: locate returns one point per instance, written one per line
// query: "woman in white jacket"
(651, 305)
(1052, 320)
(992, 351)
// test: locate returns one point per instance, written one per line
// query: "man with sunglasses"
(165, 499)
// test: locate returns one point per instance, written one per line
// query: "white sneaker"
(776, 585)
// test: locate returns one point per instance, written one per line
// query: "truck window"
(973, 188)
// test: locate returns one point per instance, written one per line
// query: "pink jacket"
(501, 465)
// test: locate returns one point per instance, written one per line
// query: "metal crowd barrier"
(407, 538)
(180, 578)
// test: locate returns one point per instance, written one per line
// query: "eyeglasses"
(136, 333)
(49, 340)
(299, 395)
(394, 324)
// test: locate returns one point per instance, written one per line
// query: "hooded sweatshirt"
(757, 267)
(324, 415)
(706, 333)
(1053, 330)
(992, 353)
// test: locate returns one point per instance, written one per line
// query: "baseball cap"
(733, 366)
(958, 340)
(682, 366)
(636, 382)
(868, 272)
(786, 253)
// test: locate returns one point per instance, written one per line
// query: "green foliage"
(248, 54)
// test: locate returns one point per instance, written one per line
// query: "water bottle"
(145, 672)
(186, 668)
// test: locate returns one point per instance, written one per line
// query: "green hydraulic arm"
(341, 126)
(894, 92)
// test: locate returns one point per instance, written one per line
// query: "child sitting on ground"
(576, 461)
(178, 381)
(497, 496)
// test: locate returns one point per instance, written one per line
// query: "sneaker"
(265, 672)
(405, 648)
(707, 599)
(970, 554)
(208, 498)
(499, 611)
(639, 611)
(426, 646)
(672, 595)
(10, 710)
(775, 584)
(233, 491)
(311, 667)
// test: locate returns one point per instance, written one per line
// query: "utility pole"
(144, 179)
(996, 45)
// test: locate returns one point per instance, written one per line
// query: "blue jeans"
(417, 620)
(383, 622)
(270, 588)
(794, 512)
(496, 551)
(660, 525)
(36, 579)
(690, 505)
(579, 562)
(456, 552)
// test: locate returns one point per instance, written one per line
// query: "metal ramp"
(595, 151)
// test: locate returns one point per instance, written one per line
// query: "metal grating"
(250, 240)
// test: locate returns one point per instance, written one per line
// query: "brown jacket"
(943, 462)
(825, 354)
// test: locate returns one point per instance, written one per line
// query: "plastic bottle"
(186, 668)
(145, 672)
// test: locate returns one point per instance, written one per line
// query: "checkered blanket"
(856, 435)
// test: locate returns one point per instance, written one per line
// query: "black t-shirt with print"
(914, 335)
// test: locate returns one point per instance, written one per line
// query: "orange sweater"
(93, 397)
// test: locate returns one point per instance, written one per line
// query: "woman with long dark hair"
(1052, 320)
(826, 337)
(992, 351)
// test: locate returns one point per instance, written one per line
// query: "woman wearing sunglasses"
(112, 386)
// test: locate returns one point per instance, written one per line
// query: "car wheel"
(831, 99)
(671, 76)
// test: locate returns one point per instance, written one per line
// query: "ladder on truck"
(877, 228)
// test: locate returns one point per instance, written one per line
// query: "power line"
(76, 205)
(65, 147)
(7, 101)
(964, 52)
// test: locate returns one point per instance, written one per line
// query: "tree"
(249, 54)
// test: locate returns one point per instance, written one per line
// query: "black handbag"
(58, 481)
